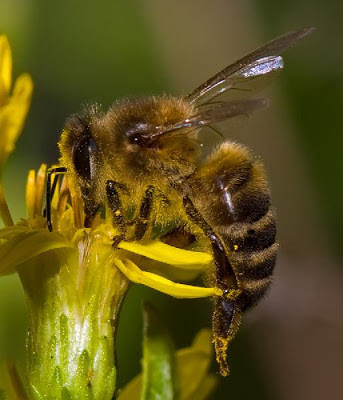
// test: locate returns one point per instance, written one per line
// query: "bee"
(144, 155)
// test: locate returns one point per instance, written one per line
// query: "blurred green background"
(290, 347)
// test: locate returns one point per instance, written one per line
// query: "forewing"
(249, 73)
(212, 113)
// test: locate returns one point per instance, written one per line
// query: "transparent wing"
(249, 73)
(212, 113)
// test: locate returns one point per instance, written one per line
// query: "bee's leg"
(226, 319)
(225, 275)
(226, 314)
(116, 209)
(50, 190)
(144, 213)
(90, 210)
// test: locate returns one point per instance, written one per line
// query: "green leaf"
(158, 360)
(192, 363)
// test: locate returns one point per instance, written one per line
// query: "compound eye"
(84, 157)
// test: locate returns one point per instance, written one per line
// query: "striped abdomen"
(234, 197)
(230, 202)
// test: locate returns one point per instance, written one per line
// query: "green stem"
(4, 210)
(74, 297)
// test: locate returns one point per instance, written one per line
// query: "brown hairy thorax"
(135, 127)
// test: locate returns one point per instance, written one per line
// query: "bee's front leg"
(50, 190)
(115, 205)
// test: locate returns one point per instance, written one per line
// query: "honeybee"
(144, 155)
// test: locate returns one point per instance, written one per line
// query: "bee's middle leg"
(144, 213)
(117, 212)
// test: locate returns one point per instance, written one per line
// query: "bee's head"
(81, 154)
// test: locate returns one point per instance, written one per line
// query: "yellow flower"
(192, 369)
(30, 237)
(75, 282)
(13, 107)
(13, 111)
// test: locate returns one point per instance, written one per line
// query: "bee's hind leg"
(226, 312)
(116, 209)
(226, 319)
(225, 277)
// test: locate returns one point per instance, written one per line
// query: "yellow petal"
(132, 390)
(203, 341)
(136, 275)
(193, 364)
(10, 231)
(177, 274)
(5, 67)
(23, 246)
(30, 193)
(13, 114)
(171, 262)
(40, 189)
(162, 252)
(205, 389)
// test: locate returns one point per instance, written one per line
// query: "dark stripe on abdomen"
(255, 239)
(251, 208)
(255, 266)
(254, 269)
(253, 293)
(250, 242)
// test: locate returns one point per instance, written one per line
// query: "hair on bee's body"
(242, 217)
(241, 214)
(143, 155)
(118, 158)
